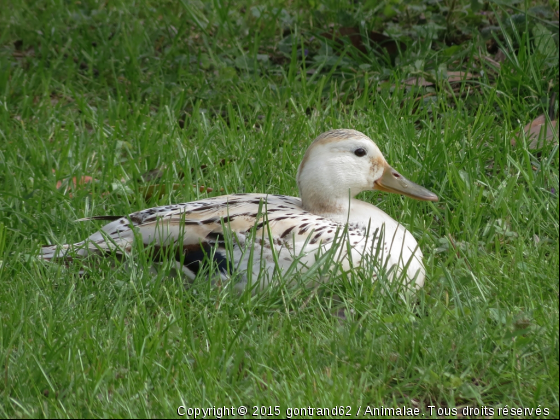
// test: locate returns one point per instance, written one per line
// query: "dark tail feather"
(111, 218)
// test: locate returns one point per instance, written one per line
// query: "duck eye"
(360, 152)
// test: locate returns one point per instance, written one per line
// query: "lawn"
(110, 107)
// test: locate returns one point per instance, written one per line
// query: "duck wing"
(276, 226)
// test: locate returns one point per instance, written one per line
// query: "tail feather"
(96, 244)
(83, 249)
(116, 236)
(52, 252)
(111, 218)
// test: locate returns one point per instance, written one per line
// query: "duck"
(257, 235)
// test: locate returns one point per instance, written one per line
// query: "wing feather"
(277, 228)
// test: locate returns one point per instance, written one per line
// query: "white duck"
(268, 233)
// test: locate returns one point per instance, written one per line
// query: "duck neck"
(323, 203)
(325, 190)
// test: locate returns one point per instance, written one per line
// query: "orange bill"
(393, 182)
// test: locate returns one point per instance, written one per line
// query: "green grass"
(113, 90)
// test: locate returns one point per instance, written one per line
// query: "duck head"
(342, 163)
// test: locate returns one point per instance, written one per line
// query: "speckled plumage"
(262, 233)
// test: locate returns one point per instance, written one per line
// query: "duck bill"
(393, 182)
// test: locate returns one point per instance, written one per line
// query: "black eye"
(360, 152)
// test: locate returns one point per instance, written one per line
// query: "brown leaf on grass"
(66, 185)
(202, 188)
(376, 40)
(495, 64)
(500, 56)
(75, 182)
(539, 132)
(417, 81)
(65, 181)
(459, 76)
(54, 99)
(452, 77)
(19, 52)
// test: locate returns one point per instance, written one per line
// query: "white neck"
(326, 190)
(325, 203)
